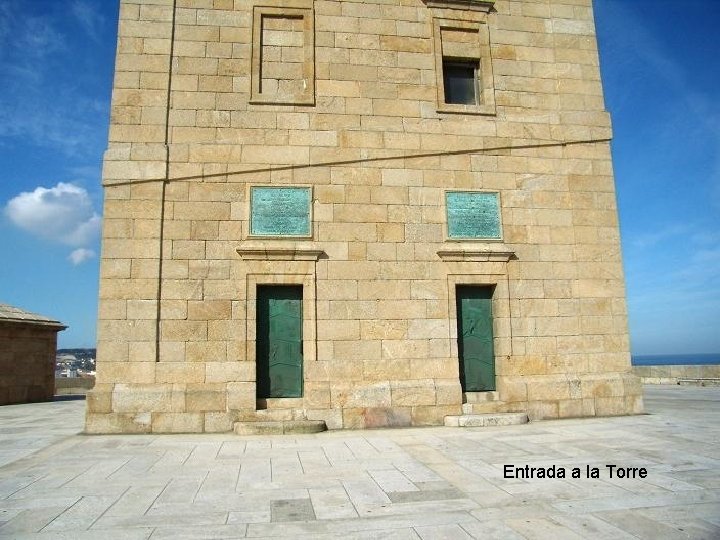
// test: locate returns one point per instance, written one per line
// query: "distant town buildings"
(75, 363)
(28, 343)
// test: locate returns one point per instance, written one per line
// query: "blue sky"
(56, 65)
(661, 75)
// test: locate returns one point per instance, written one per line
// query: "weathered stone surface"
(99, 400)
(177, 423)
(285, 427)
(375, 417)
(486, 420)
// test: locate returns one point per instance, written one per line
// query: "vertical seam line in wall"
(165, 181)
(507, 280)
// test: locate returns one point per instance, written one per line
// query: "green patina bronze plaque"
(280, 211)
(473, 214)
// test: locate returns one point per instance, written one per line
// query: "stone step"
(480, 397)
(277, 415)
(484, 407)
(279, 403)
(272, 415)
(286, 427)
(486, 420)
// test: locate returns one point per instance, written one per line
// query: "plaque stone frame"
(482, 206)
(280, 212)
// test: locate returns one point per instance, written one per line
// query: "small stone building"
(28, 343)
(367, 213)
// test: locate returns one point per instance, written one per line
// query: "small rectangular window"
(463, 67)
(460, 79)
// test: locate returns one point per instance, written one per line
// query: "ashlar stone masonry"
(365, 213)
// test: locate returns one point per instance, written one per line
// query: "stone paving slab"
(421, 483)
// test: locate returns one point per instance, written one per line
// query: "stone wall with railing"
(702, 374)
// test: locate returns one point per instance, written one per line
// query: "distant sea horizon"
(675, 359)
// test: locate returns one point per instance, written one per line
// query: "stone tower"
(367, 213)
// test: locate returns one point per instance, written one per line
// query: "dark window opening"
(460, 80)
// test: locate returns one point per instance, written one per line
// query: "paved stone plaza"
(424, 483)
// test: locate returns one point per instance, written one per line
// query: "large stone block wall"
(190, 135)
(27, 362)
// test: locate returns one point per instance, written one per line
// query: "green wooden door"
(279, 341)
(475, 338)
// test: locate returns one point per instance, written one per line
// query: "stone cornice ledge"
(475, 254)
(279, 253)
(474, 5)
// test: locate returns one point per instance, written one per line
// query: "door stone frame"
(309, 322)
(502, 336)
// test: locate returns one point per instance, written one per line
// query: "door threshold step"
(282, 427)
(486, 420)
(483, 407)
(278, 403)
(481, 397)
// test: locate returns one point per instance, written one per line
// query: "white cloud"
(63, 213)
(81, 255)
